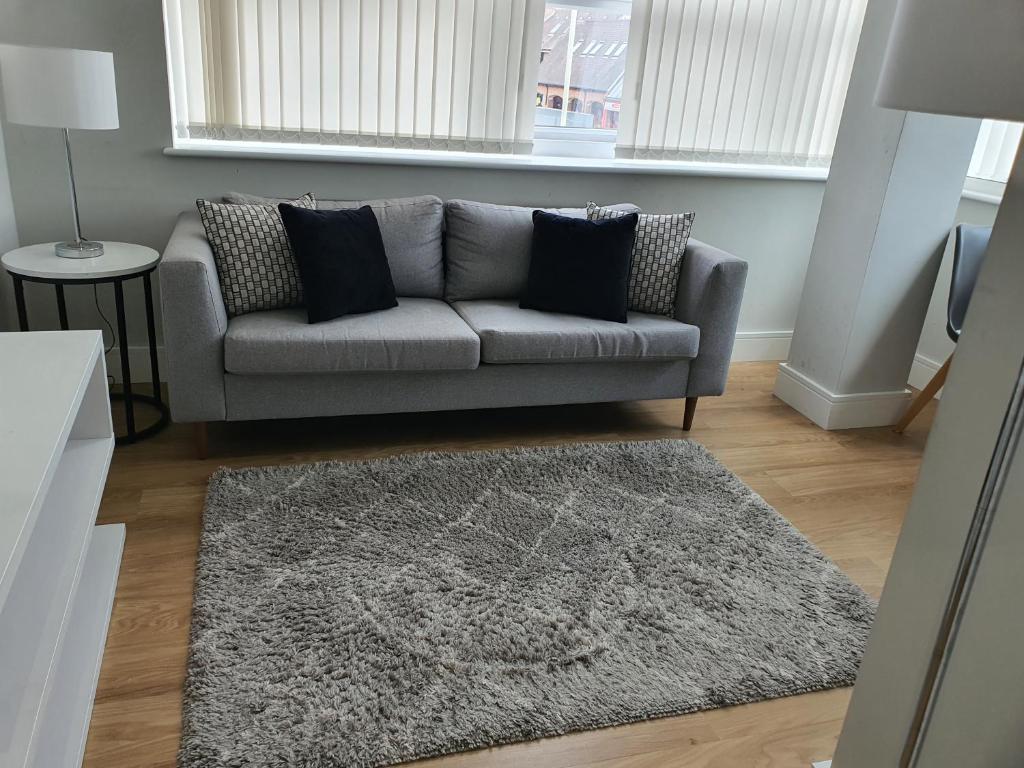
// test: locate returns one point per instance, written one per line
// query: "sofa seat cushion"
(509, 334)
(417, 335)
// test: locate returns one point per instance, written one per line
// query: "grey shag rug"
(368, 613)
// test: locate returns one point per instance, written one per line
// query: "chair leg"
(688, 411)
(923, 397)
(201, 440)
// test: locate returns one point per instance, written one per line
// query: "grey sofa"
(457, 339)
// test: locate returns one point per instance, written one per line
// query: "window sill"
(412, 157)
(974, 189)
(981, 197)
(984, 190)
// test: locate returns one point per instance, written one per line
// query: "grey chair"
(968, 255)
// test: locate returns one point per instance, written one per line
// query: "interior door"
(977, 717)
(942, 683)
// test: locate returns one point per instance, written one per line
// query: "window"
(738, 80)
(420, 74)
(995, 151)
(574, 36)
(750, 81)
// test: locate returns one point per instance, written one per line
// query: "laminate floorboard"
(846, 491)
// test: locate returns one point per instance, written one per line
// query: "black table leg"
(126, 374)
(19, 302)
(62, 307)
(154, 365)
(128, 395)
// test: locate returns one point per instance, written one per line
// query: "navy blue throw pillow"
(580, 267)
(341, 260)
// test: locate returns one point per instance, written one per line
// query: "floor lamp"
(953, 57)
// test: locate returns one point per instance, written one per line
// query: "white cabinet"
(58, 570)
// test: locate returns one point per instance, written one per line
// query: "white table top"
(118, 259)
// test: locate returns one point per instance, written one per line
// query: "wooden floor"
(847, 491)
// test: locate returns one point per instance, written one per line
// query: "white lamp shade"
(956, 57)
(58, 87)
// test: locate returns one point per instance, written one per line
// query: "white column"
(889, 205)
(8, 242)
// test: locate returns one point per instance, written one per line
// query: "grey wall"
(130, 191)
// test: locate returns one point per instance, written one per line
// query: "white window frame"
(591, 143)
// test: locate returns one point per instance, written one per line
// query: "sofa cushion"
(580, 267)
(658, 250)
(487, 250)
(509, 334)
(341, 260)
(254, 259)
(417, 335)
(411, 229)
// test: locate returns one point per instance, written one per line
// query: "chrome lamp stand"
(77, 248)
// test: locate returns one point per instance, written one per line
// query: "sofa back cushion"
(487, 251)
(411, 229)
(254, 260)
(341, 258)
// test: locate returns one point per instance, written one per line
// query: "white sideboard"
(58, 569)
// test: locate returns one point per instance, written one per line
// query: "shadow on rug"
(368, 613)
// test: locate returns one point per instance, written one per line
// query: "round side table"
(119, 262)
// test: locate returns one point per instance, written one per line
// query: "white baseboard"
(921, 372)
(831, 411)
(761, 345)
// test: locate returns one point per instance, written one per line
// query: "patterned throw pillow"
(254, 261)
(657, 258)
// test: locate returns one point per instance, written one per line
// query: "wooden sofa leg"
(201, 440)
(688, 411)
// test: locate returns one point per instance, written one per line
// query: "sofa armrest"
(194, 322)
(709, 296)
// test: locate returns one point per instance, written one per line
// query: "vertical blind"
(429, 74)
(995, 150)
(737, 80)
